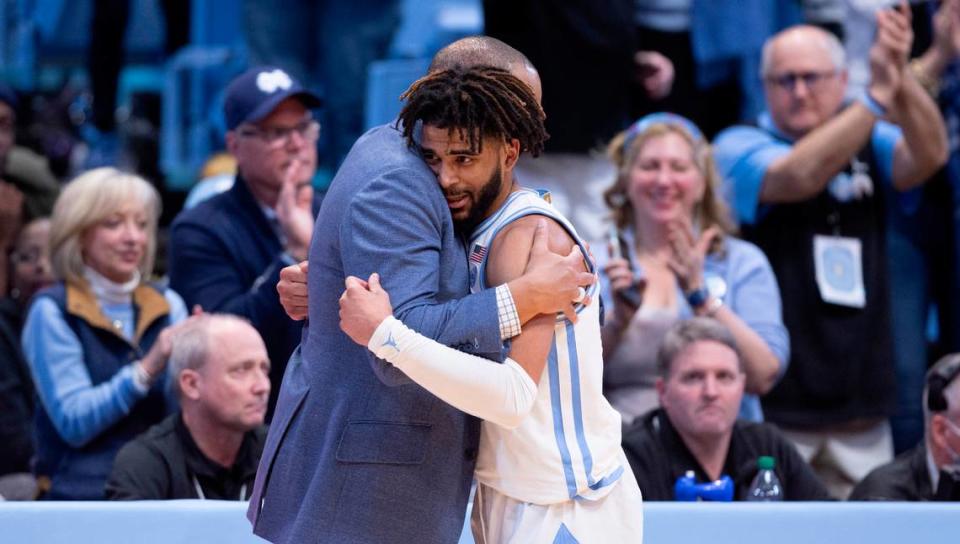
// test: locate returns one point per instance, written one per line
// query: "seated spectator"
(210, 449)
(27, 187)
(674, 236)
(216, 176)
(931, 470)
(700, 384)
(226, 253)
(97, 341)
(810, 185)
(30, 271)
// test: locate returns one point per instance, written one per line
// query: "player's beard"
(480, 207)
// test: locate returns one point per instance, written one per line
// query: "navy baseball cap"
(255, 93)
(8, 97)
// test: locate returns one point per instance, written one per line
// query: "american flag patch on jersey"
(477, 254)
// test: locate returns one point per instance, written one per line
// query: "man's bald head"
(487, 51)
(801, 37)
(804, 79)
(477, 51)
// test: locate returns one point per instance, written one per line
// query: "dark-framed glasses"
(811, 80)
(275, 137)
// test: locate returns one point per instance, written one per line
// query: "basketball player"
(550, 467)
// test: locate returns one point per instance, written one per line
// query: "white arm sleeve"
(498, 393)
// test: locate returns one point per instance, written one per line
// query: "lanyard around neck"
(200, 494)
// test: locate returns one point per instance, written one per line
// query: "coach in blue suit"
(357, 452)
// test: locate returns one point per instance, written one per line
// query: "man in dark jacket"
(226, 253)
(210, 449)
(931, 470)
(700, 387)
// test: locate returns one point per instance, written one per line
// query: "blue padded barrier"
(213, 522)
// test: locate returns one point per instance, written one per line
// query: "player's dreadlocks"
(478, 101)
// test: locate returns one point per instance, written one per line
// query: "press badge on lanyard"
(839, 268)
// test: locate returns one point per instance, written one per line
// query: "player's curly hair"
(479, 101)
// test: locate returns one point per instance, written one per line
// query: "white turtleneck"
(108, 291)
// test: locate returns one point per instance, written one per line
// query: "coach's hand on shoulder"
(552, 283)
(363, 306)
(292, 289)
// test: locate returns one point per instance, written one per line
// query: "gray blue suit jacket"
(356, 451)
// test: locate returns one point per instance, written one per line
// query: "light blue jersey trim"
(494, 219)
(575, 399)
(564, 536)
(609, 479)
(554, 370)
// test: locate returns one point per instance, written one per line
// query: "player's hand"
(363, 306)
(292, 289)
(554, 282)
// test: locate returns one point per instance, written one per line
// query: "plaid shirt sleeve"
(507, 313)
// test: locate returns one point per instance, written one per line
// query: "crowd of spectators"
(751, 265)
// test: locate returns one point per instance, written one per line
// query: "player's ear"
(511, 153)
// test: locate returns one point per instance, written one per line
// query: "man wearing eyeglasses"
(226, 253)
(931, 470)
(810, 185)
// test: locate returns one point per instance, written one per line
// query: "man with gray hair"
(700, 385)
(210, 449)
(931, 470)
(811, 186)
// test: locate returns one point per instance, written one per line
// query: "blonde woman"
(97, 341)
(673, 257)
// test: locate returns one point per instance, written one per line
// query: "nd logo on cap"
(270, 82)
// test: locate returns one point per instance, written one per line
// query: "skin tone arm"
(817, 157)
(363, 307)
(820, 154)
(499, 393)
(923, 148)
(507, 252)
(946, 40)
(548, 284)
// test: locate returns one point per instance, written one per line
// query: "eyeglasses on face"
(811, 80)
(276, 137)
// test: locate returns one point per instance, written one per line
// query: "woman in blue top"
(97, 341)
(672, 256)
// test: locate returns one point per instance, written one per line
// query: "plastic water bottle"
(765, 486)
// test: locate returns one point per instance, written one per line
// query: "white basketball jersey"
(569, 445)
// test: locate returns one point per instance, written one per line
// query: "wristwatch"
(697, 297)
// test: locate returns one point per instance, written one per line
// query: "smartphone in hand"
(631, 295)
